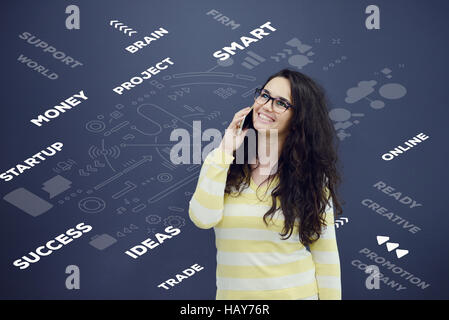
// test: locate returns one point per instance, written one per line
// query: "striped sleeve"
(206, 205)
(326, 258)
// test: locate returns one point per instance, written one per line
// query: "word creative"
(54, 112)
(30, 162)
(258, 34)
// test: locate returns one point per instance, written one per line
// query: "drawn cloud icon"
(363, 89)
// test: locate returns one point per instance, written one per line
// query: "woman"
(253, 261)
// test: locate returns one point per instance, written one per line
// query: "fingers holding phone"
(234, 134)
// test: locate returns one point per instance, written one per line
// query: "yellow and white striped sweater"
(253, 262)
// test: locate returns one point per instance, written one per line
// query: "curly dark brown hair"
(307, 166)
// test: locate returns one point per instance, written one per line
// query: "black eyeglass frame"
(258, 91)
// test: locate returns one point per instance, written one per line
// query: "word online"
(400, 149)
(59, 55)
(148, 243)
(146, 40)
(186, 273)
(9, 175)
(258, 33)
(146, 75)
(67, 104)
(47, 249)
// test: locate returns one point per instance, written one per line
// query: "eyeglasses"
(279, 105)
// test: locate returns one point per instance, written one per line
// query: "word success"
(52, 245)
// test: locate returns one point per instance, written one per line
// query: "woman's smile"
(264, 118)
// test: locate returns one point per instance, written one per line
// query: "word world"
(186, 273)
(146, 75)
(62, 240)
(54, 112)
(142, 248)
(30, 162)
(37, 67)
(258, 33)
(400, 149)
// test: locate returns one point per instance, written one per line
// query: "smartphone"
(246, 121)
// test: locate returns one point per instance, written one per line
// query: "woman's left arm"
(327, 261)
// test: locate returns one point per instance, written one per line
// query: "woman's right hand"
(231, 140)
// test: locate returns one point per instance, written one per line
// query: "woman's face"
(277, 87)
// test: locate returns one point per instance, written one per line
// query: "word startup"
(31, 161)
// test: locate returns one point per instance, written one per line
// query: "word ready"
(54, 112)
(257, 33)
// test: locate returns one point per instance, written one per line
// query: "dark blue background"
(412, 34)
